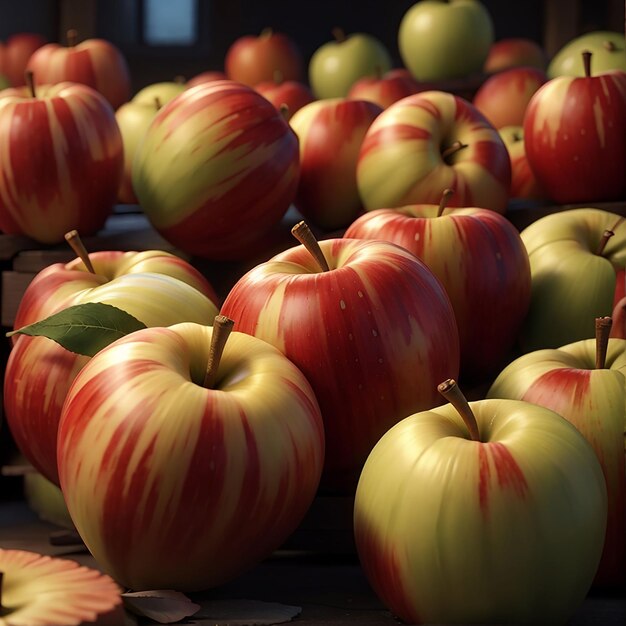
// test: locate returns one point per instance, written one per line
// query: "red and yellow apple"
(15, 53)
(515, 52)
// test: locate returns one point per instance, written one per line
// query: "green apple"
(608, 49)
(337, 65)
(439, 40)
(163, 92)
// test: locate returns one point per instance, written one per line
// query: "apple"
(371, 333)
(216, 170)
(15, 53)
(478, 255)
(384, 89)
(180, 475)
(253, 59)
(49, 591)
(487, 512)
(61, 162)
(156, 287)
(575, 136)
(428, 142)
(336, 65)
(330, 133)
(587, 386)
(46, 499)
(287, 96)
(163, 91)
(575, 268)
(205, 77)
(442, 40)
(523, 181)
(608, 54)
(94, 62)
(503, 97)
(515, 52)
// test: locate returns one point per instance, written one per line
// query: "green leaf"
(84, 328)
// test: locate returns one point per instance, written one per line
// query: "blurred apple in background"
(575, 136)
(503, 97)
(587, 386)
(330, 133)
(336, 65)
(205, 77)
(163, 92)
(15, 53)
(488, 512)
(515, 52)
(287, 96)
(94, 62)
(4, 82)
(384, 89)
(523, 181)
(608, 49)
(442, 40)
(253, 59)
(428, 142)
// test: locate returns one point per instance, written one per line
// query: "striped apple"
(585, 382)
(575, 136)
(15, 53)
(176, 481)
(477, 255)
(428, 142)
(61, 161)
(373, 334)
(384, 89)
(216, 170)
(330, 133)
(154, 286)
(94, 62)
(523, 181)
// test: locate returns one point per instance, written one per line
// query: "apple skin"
(570, 282)
(508, 529)
(221, 476)
(292, 94)
(477, 255)
(253, 59)
(154, 286)
(330, 133)
(205, 77)
(385, 89)
(93, 62)
(575, 137)
(164, 91)
(373, 336)
(217, 151)
(62, 161)
(336, 65)
(515, 52)
(503, 97)
(594, 401)
(15, 53)
(401, 160)
(608, 54)
(523, 181)
(443, 40)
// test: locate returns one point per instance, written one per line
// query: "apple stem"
(443, 203)
(603, 331)
(587, 62)
(30, 83)
(453, 394)
(179, 79)
(73, 239)
(453, 149)
(606, 235)
(1, 579)
(267, 32)
(222, 326)
(303, 234)
(157, 102)
(283, 109)
(278, 77)
(72, 37)
(339, 34)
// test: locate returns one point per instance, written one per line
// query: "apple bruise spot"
(508, 472)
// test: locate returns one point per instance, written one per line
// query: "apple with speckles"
(487, 512)
(523, 181)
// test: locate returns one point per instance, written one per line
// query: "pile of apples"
(190, 445)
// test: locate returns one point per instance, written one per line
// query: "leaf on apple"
(84, 328)
(244, 613)
(163, 606)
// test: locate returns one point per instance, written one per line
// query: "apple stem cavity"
(72, 37)
(30, 83)
(443, 203)
(222, 327)
(303, 234)
(452, 149)
(339, 34)
(453, 394)
(587, 62)
(283, 109)
(73, 239)
(609, 46)
(603, 331)
(606, 235)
